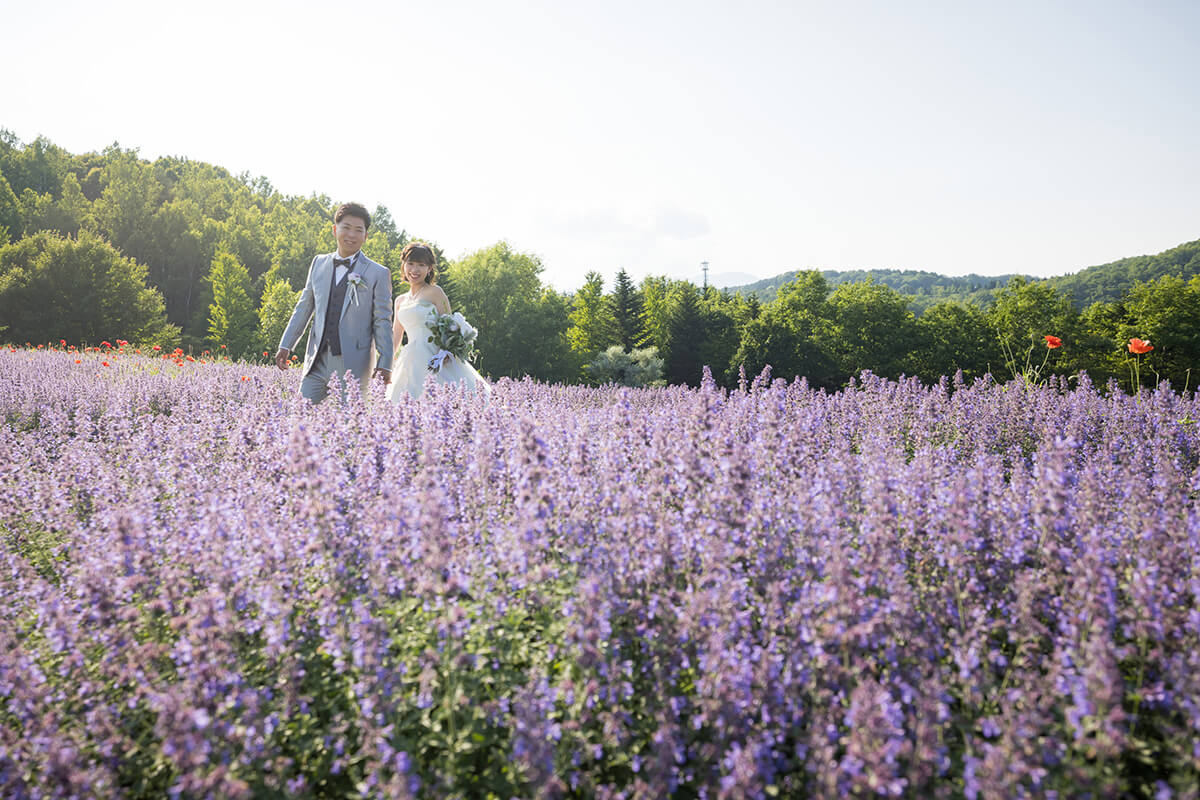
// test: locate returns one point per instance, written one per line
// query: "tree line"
(182, 253)
(1101, 283)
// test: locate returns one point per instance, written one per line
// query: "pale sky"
(762, 137)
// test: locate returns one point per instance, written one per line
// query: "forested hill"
(1107, 283)
(1104, 283)
(922, 289)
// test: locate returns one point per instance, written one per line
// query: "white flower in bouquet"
(461, 324)
(453, 336)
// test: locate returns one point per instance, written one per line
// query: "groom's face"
(350, 233)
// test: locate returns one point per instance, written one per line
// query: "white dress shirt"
(340, 271)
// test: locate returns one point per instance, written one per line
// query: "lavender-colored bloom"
(894, 589)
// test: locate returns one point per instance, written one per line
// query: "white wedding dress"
(411, 369)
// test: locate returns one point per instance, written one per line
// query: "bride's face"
(415, 273)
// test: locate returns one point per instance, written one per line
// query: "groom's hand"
(281, 358)
(385, 374)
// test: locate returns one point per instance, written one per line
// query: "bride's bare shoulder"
(436, 295)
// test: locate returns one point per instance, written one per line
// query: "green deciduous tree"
(131, 196)
(592, 326)
(240, 234)
(522, 325)
(67, 215)
(791, 334)
(1166, 312)
(1098, 344)
(294, 233)
(722, 316)
(656, 313)
(1022, 314)
(232, 320)
(80, 289)
(954, 336)
(10, 213)
(872, 329)
(38, 166)
(178, 247)
(278, 303)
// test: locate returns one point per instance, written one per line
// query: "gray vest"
(333, 315)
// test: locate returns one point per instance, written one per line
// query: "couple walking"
(348, 299)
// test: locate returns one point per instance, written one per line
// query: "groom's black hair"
(352, 210)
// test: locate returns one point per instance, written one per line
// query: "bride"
(423, 301)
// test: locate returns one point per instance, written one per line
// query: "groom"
(349, 299)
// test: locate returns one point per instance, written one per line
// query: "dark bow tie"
(343, 262)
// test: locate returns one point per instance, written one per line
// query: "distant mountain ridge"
(1107, 283)
(922, 288)
(1101, 283)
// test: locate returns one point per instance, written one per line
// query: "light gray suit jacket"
(365, 322)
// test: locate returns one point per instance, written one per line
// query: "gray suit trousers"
(328, 369)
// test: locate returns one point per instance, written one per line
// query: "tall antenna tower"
(704, 269)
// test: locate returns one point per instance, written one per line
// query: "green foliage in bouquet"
(453, 336)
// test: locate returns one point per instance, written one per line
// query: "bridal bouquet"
(453, 336)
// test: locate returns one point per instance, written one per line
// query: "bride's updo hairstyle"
(420, 253)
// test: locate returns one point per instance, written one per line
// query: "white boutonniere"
(355, 280)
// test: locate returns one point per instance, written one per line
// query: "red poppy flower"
(62, 342)
(1140, 346)
(79, 361)
(264, 353)
(1052, 341)
(105, 363)
(157, 347)
(223, 347)
(189, 358)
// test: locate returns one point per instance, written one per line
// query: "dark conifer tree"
(686, 337)
(626, 303)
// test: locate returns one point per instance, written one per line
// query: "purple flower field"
(212, 589)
